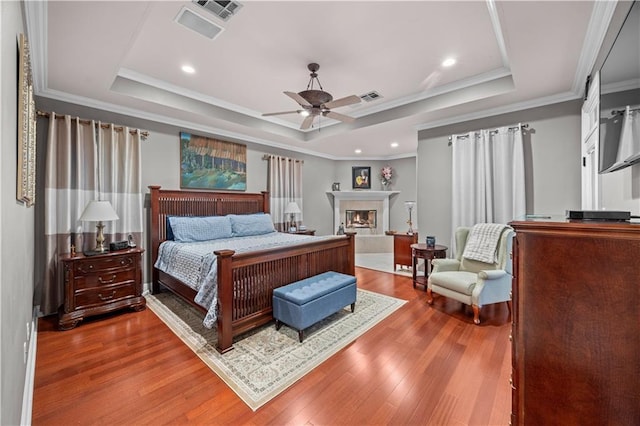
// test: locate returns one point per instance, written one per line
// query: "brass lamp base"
(100, 246)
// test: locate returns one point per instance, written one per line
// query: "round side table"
(420, 251)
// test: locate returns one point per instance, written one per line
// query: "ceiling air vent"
(197, 23)
(222, 9)
(371, 96)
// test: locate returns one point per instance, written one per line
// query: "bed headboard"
(167, 202)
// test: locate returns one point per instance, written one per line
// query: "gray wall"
(404, 180)
(552, 164)
(16, 231)
(160, 166)
(621, 190)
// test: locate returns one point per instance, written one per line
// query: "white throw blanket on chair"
(483, 241)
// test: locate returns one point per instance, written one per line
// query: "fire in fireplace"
(361, 218)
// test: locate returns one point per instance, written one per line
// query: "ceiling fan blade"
(307, 122)
(299, 99)
(278, 113)
(338, 116)
(347, 100)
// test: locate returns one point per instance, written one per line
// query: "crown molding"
(596, 31)
(519, 106)
(165, 119)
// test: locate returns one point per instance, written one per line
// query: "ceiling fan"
(316, 102)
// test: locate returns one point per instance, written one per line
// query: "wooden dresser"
(99, 284)
(402, 249)
(576, 323)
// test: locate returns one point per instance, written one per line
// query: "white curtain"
(487, 178)
(85, 162)
(629, 145)
(285, 186)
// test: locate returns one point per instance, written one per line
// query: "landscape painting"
(207, 163)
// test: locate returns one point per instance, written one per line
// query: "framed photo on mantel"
(361, 177)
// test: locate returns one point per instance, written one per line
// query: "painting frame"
(26, 131)
(361, 177)
(212, 164)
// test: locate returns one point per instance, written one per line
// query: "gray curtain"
(285, 186)
(85, 161)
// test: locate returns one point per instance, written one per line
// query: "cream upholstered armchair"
(476, 282)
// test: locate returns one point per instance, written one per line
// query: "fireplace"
(364, 202)
(361, 218)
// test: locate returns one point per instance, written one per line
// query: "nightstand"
(95, 285)
(402, 249)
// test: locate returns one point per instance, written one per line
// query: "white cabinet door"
(590, 147)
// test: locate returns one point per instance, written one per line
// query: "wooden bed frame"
(245, 280)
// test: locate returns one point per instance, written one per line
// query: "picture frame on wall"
(361, 177)
(207, 163)
(26, 167)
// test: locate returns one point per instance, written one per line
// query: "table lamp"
(409, 205)
(292, 209)
(98, 211)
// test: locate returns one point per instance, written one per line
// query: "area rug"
(266, 361)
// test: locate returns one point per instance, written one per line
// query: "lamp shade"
(409, 204)
(292, 208)
(97, 211)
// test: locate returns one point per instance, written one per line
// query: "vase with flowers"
(386, 174)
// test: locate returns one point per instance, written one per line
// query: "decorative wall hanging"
(361, 177)
(207, 163)
(26, 168)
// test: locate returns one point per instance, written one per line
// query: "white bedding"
(195, 264)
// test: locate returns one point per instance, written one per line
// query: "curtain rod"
(268, 157)
(143, 133)
(524, 126)
(622, 111)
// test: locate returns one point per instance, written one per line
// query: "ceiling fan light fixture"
(317, 102)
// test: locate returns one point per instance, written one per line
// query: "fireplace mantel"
(362, 195)
(365, 195)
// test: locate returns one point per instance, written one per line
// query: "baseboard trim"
(27, 396)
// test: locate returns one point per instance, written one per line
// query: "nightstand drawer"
(102, 295)
(98, 264)
(104, 278)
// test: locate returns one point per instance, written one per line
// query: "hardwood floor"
(422, 365)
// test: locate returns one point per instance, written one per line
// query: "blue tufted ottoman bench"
(305, 302)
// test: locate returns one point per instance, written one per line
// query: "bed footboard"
(246, 280)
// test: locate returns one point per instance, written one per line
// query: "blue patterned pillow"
(244, 225)
(187, 229)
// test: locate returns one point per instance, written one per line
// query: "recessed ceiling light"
(358, 151)
(448, 62)
(188, 69)
(394, 144)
